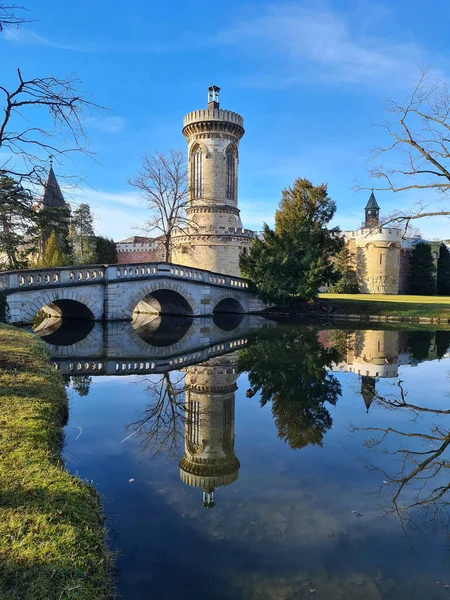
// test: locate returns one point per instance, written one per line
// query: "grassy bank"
(434, 307)
(52, 537)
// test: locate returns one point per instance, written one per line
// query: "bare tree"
(163, 182)
(9, 16)
(420, 143)
(28, 145)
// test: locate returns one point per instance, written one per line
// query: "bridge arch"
(165, 298)
(228, 303)
(60, 304)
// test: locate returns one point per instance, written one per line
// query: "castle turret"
(209, 460)
(214, 237)
(376, 251)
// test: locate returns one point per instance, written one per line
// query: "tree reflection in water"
(160, 426)
(416, 473)
(289, 367)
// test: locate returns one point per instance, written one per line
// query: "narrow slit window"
(197, 173)
(231, 173)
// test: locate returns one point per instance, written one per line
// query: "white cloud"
(317, 42)
(108, 124)
(30, 38)
(116, 214)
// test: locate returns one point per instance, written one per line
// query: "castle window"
(231, 173)
(194, 425)
(197, 173)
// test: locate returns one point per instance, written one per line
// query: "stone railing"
(90, 274)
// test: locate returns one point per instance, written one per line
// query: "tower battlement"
(213, 114)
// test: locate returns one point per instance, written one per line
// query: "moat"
(244, 459)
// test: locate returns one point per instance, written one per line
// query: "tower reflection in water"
(209, 460)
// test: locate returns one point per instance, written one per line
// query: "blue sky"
(309, 78)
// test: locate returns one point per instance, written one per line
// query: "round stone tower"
(377, 252)
(214, 237)
(209, 461)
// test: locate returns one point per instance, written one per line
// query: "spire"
(372, 202)
(52, 196)
(372, 211)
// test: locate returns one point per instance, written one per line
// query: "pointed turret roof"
(52, 196)
(368, 390)
(372, 203)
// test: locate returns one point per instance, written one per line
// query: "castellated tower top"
(213, 118)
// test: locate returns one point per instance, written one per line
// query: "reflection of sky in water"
(285, 527)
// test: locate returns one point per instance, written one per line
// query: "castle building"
(381, 253)
(214, 237)
(209, 460)
(138, 248)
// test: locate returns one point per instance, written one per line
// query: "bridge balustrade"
(82, 274)
(29, 278)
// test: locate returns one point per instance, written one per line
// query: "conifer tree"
(292, 261)
(443, 272)
(105, 250)
(82, 236)
(348, 281)
(53, 255)
(17, 218)
(422, 274)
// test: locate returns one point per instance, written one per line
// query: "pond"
(248, 460)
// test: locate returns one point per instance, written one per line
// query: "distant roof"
(52, 196)
(372, 203)
(136, 239)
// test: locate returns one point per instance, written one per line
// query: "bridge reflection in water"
(203, 350)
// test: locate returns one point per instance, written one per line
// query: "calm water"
(236, 461)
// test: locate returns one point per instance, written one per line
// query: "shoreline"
(52, 532)
(429, 310)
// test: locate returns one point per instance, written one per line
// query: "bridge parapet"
(89, 274)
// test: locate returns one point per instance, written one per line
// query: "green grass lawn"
(52, 535)
(387, 305)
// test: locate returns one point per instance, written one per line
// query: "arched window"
(197, 172)
(231, 172)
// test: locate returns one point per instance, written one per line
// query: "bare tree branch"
(420, 146)
(27, 147)
(9, 16)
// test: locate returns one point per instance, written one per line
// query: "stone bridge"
(117, 292)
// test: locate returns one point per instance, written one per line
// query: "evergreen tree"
(48, 220)
(422, 274)
(17, 218)
(443, 272)
(348, 282)
(292, 261)
(82, 236)
(106, 251)
(53, 254)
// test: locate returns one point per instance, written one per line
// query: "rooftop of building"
(136, 239)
